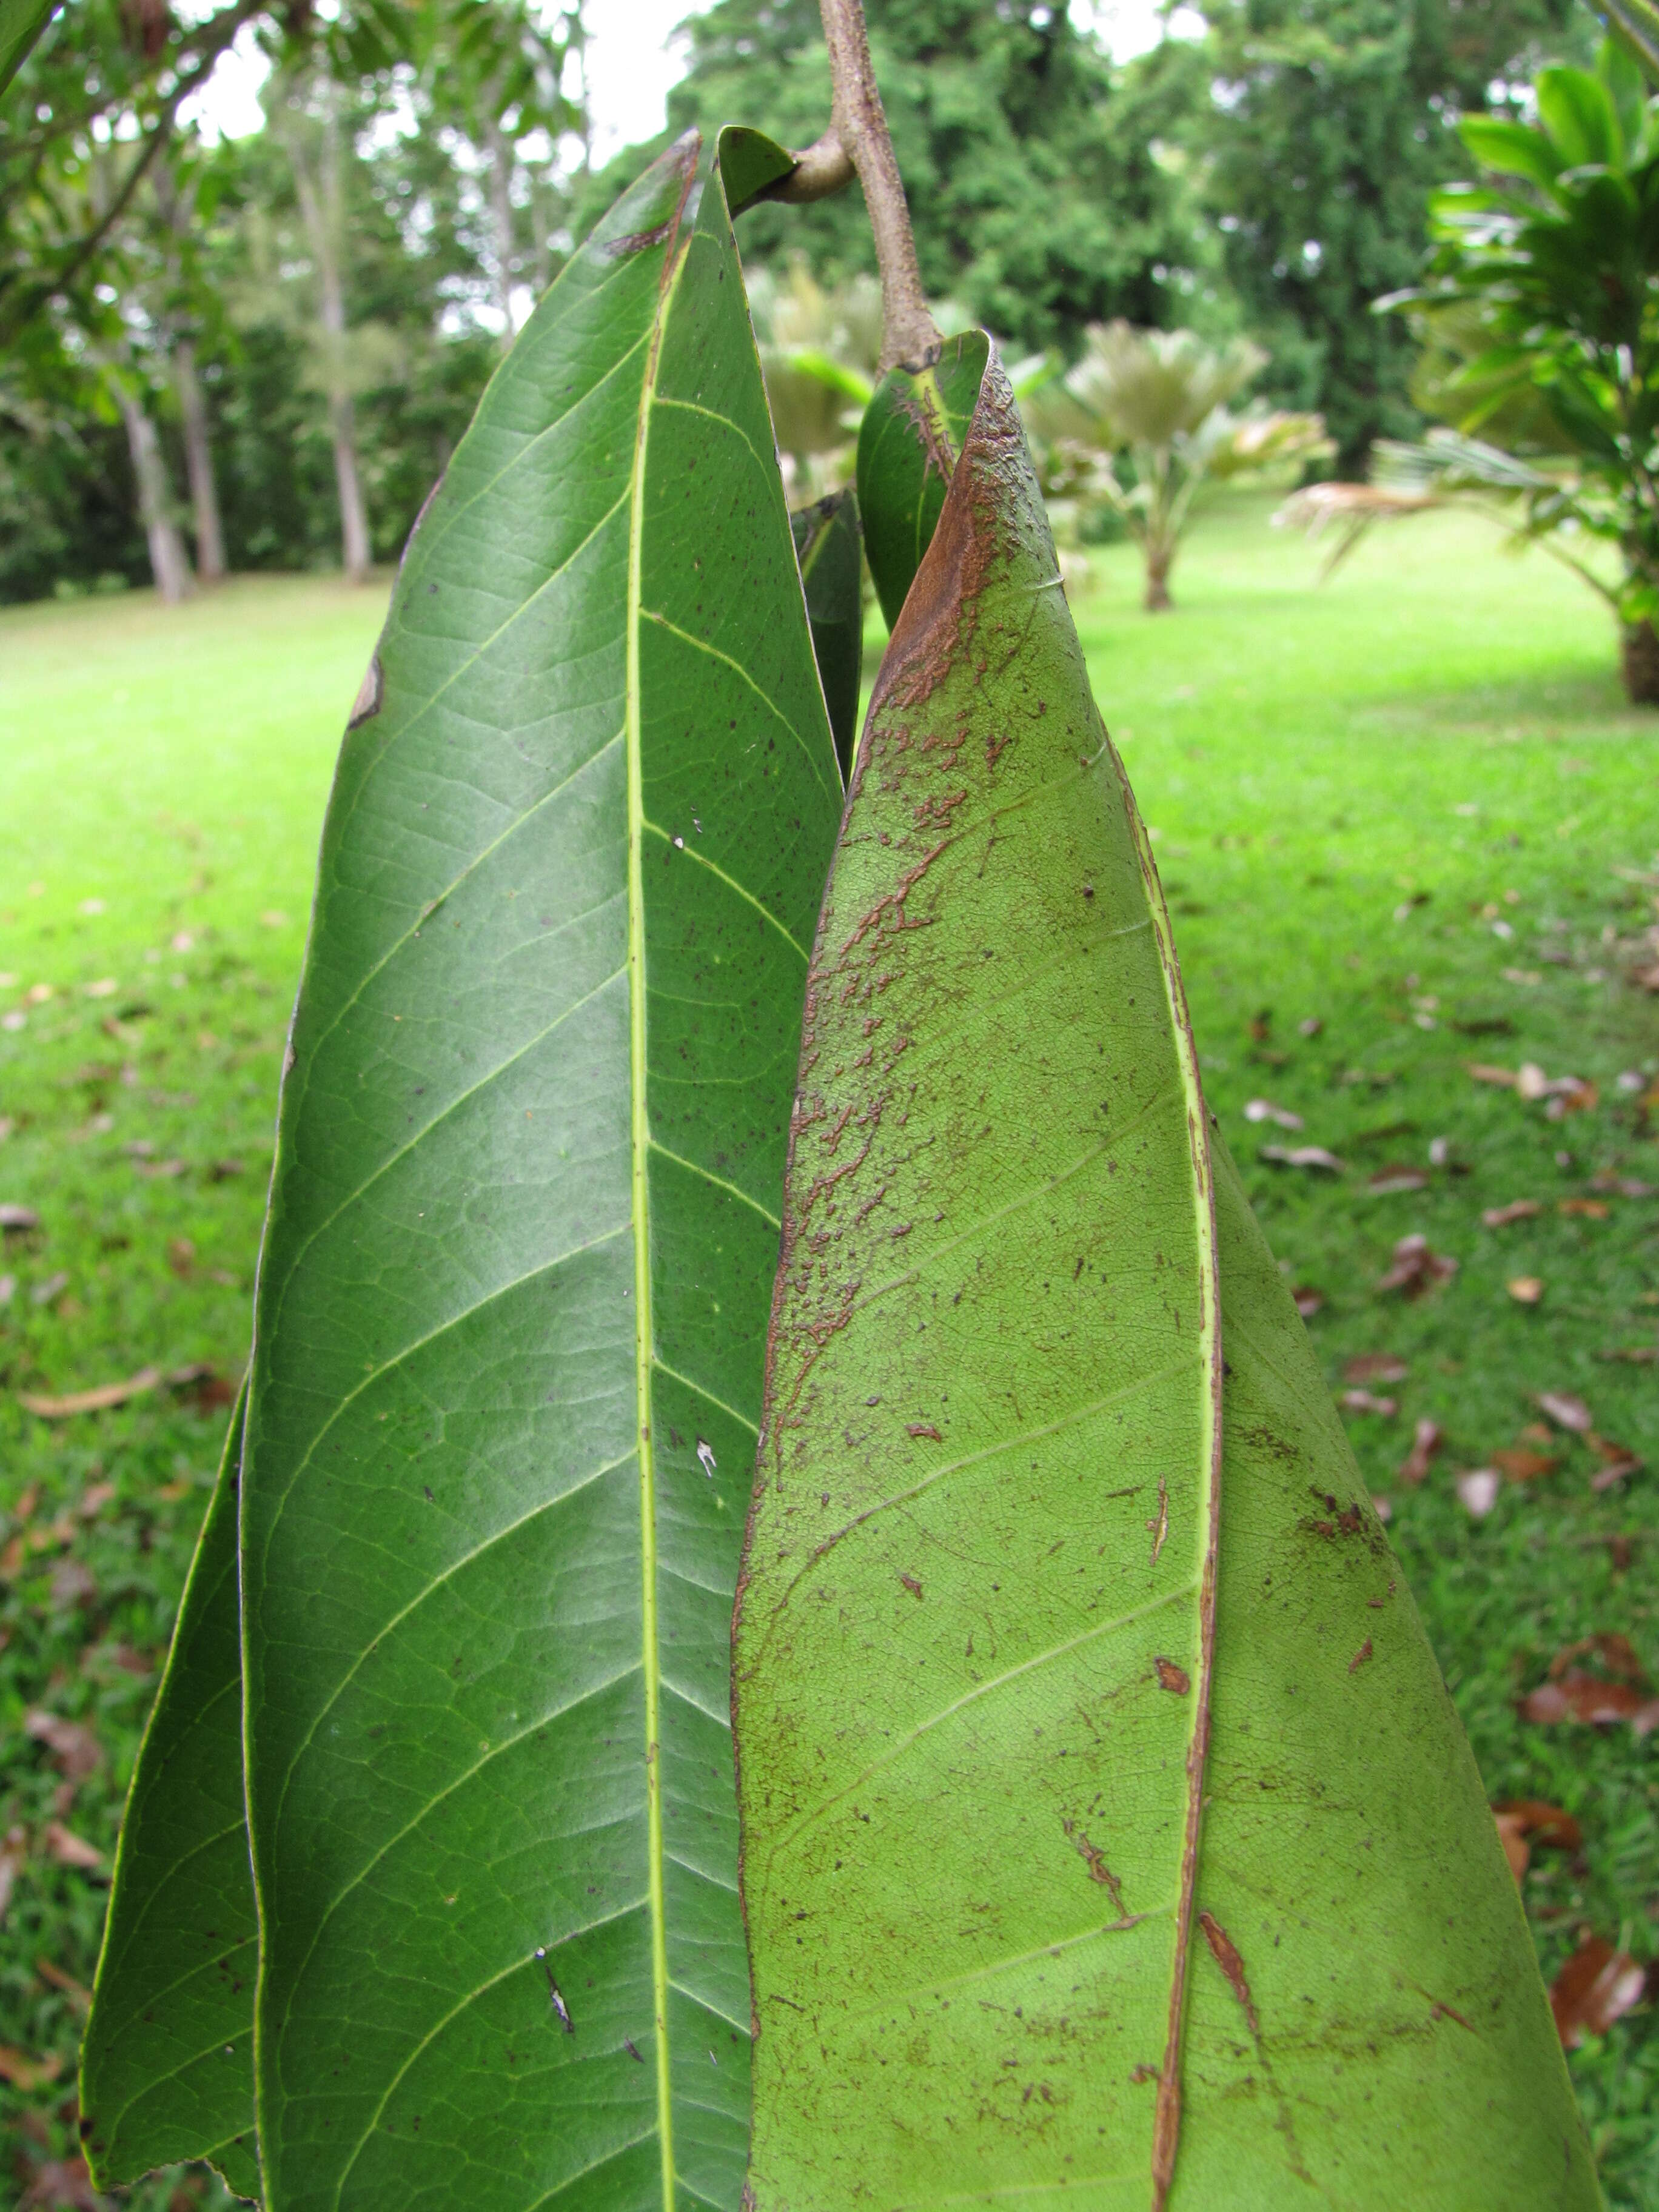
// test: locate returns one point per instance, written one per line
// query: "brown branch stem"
(858, 141)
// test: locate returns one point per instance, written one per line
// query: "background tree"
(1041, 192)
(1538, 305)
(1328, 123)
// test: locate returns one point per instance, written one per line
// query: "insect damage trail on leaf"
(945, 1572)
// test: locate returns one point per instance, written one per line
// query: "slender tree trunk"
(1640, 657)
(198, 466)
(321, 208)
(500, 216)
(1158, 581)
(169, 562)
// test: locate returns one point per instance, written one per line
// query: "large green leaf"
(1046, 1891)
(832, 576)
(22, 22)
(512, 1305)
(909, 441)
(166, 2060)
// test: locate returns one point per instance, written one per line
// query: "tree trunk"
(169, 562)
(198, 466)
(1640, 656)
(1158, 584)
(321, 208)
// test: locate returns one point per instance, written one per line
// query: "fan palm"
(1159, 400)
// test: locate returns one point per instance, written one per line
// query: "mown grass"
(1352, 787)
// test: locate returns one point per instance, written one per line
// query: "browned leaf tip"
(1425, 1443)
(1597, 1986)
(1414, 1268)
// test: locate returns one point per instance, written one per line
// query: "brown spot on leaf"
(1094, 1860)
(1360, 1656)
(1173, 1677)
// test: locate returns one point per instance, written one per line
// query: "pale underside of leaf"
(513, 1298)
(992, 1580)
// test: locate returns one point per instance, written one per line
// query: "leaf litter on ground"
(1414, 1268)
(1597, 1986)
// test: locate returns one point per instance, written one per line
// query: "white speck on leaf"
(706, 1457)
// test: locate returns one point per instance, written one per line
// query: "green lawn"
(1409, 806)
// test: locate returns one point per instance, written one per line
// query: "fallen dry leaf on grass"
(13, 1853)
(1584, 1697)
(1617, 1462)
(1375, 1367)
(90, 1402)
(1425, 1443)
(1571, 1694)
(69, 1849)
(1521, 1465)
(1518, 1209)
(1570, 1096)
(63, 2185)
(1525, 1289)
(76, 1750)
(1613, 1649)
(1597, 1986)
(1484, 1073)
(1308, 1300)
(26, 2074)
(1301, 1155)
(72, 1584)
(1589, 1209)
(1527, 1820)
(1477, 1488)
(1365, 1402)
(1617, 1185)
(1636, 1355)
(76, 1992)
(1389, 1179)
(1263, 1109)
(1566, 1411)
(15, 1218)
(1414, 1268)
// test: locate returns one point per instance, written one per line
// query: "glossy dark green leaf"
(909, 442)
(832, 575)
(512, 1305)
(166, 2060)
(1109, 1835)
(22, 22)
(751, 166)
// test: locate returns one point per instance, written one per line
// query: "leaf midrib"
(640, 1177)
